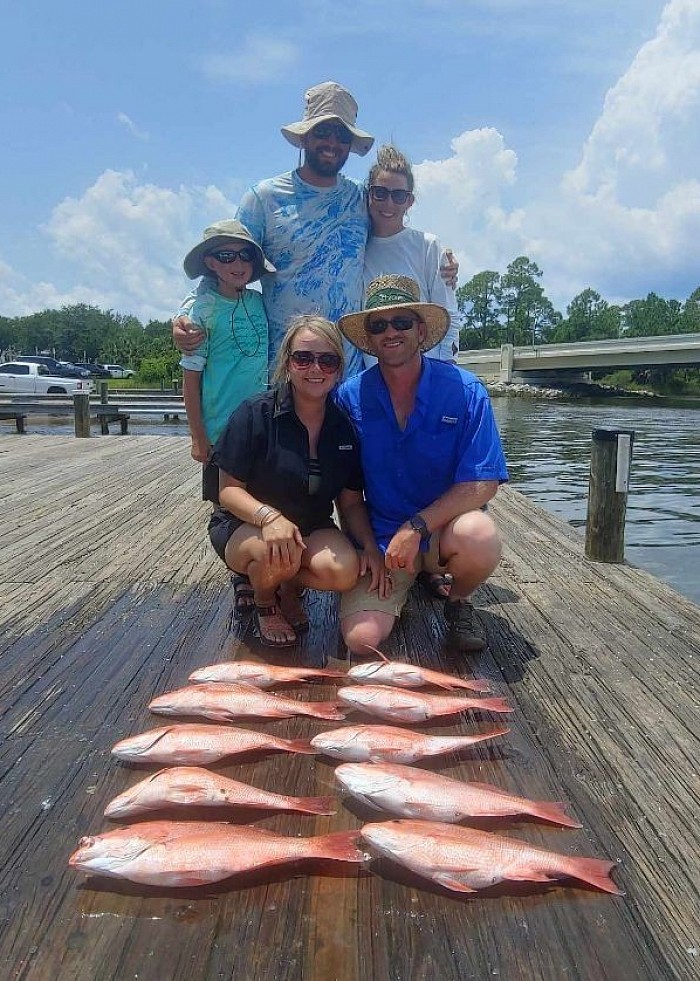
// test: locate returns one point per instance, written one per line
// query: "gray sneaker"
(461, 636)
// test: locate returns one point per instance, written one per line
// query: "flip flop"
(434, 582)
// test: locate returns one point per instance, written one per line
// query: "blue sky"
(567, 131)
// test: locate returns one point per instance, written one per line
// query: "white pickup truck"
(23, 378)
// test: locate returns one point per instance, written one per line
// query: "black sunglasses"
(397, 195)
(328, 363)
(376, 327)
(230, 255)
(323, 130)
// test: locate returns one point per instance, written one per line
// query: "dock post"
(81, 411)
(611, 455)
(104, 389)
(506, 369)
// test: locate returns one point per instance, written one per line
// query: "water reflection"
(548, 445)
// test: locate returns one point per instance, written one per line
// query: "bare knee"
(472, 543)
(363, 631)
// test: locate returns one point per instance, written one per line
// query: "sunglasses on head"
(328, 363)
(397, 195)
(323, 130)
(401, 322)
(230, 255)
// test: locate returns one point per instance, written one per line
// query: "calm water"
(548, 446)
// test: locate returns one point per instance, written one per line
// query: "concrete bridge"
(546, 362)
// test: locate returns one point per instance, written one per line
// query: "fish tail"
(594, 871)
(314, 805)
(341, 846)
(476, 684)
(300, 746)
(494, 705)
(553, 811)
(325, 710)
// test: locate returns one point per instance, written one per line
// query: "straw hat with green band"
(216, 238)
(390, 294)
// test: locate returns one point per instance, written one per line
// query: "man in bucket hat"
(312, 223)
(432, 459)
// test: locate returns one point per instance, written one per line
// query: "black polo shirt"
(266, 446)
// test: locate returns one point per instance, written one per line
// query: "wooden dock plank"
(111, 594)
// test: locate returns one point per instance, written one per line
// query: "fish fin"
(300, 746)
(341, 846)
(495, 705)
(326, 710)
(553, 811)
(387, 756)
(594, 871)
(383, 656)
(448, 881)
(474, 684)
(315, 805)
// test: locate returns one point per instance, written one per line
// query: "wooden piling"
(611, 455)
(104, 392)
(81, 409)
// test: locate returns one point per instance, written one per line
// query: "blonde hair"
(392, 161)
(317, 325)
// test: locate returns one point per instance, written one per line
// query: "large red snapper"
(365, 743)
(195, 742)
(405, 675)
(414, 793)
(259, 675)
(464, 860)
(225, 702)
(192, 786)
(193, 853)
(405, 706)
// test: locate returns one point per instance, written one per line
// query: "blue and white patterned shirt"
(315, 237)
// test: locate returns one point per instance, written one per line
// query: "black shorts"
(210, 483)
(222, 525)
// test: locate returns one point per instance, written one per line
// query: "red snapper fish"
(259, 675)
(465, 860)
(405, 675)
(389, 743)
(225, 702)
(414, 793)
(192, 786)
(195, 743)
(404, 706)
(193, 853)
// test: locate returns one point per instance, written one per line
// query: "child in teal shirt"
(230, 365)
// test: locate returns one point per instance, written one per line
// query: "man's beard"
(324, 168)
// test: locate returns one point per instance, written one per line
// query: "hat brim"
(195, 265)
(435, 318)
(361, 142)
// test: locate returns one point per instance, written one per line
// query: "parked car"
(64, 369)
(25, 378)
(117, 371)
(95, 370)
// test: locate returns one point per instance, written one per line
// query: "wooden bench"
(109, 413)
(19, 418)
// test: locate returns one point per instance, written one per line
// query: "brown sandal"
(271, 611)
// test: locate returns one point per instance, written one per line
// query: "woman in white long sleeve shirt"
(396, 248)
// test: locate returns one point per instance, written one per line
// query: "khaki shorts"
(358, 600)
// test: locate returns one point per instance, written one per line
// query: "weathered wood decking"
(111, 594)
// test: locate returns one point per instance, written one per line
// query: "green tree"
(588, 317)
(527, 314)
(652, 317)
(477, 301)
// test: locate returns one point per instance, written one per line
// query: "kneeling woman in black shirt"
(284, 458)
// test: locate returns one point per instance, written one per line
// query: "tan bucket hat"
(393, 294)
(325, 103)
(218, 236)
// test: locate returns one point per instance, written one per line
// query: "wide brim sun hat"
(395, 294)
(218, 236)
(325, 103)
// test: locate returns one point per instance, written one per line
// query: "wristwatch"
(417, 522)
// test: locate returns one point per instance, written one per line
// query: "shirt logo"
(348, 446)
(451, 419)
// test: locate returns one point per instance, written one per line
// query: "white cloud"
(128, 122)
(259, 58)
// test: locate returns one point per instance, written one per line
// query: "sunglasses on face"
(376, 327)
(230, 255)
(324, 130)
(328, 363)
(397, 195)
